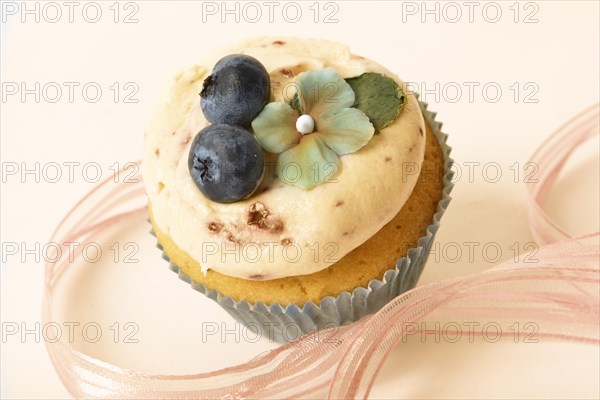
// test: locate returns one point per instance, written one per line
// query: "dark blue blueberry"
(236, 91)
(226, 163)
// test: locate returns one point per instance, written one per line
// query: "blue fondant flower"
(310, 141)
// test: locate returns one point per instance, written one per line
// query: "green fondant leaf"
(275, 127)
(308, 164)
(379, 97)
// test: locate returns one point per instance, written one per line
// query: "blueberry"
(226, 163)
(236, 91)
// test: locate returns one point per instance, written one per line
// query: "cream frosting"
(281, 230)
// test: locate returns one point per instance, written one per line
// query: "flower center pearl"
(305, 124)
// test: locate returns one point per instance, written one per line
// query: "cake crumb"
(260, 216)
(233, 239)
(288, 73)
(215, 227)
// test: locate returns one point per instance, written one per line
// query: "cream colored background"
(559, 54)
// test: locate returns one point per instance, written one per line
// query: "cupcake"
(296, 184)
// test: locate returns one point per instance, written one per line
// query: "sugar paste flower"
(311, 137)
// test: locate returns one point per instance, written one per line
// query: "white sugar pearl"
(305, 124)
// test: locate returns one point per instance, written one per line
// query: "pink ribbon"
(559, 294)
(549, 160)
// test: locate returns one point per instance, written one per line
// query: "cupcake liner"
(286, 323)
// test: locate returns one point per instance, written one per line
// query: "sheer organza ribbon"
(559, 293)
(549, 160)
